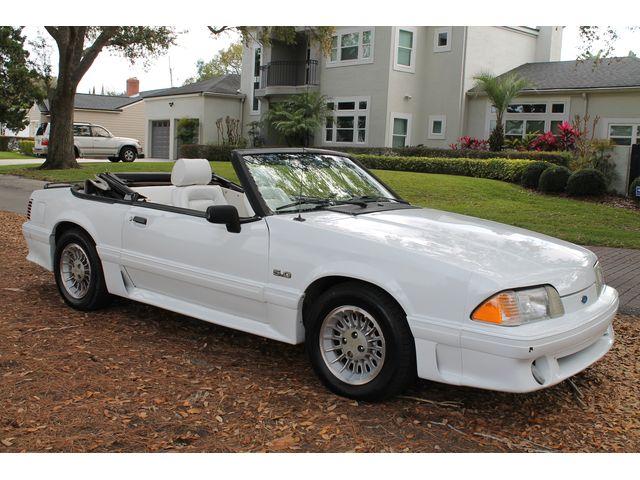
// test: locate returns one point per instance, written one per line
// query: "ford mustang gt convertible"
(311, 247)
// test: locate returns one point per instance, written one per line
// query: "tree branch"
(91, 52)
(55, 34)
(218, 31)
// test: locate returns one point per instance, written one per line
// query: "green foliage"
(501, 91)
(213, 153)
(632, 189)
(588, 181)
(187, 130)
(228, 60)
(20, 83)
(554, 179)
(298, 117)
(531, 174)
(26, 147)
(559, 158)
(495, 168)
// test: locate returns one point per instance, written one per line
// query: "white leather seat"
(191, 177)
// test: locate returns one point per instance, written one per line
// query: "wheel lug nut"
(354, 335)
(360, 348)
(344, 340)
(349, 354)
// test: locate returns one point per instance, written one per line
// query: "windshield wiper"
(323, 202)
(377, 198)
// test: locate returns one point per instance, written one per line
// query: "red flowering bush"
(545, 142)
(470, 143)
(567, 136)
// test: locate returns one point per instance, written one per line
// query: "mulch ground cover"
(133, 378)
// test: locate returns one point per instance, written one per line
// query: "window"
(81, 131)
(405, 51)
(442, 40)
(257, 58)
(531, 118)
(99, 132)
(622, 134)
(437, 126)
(351, 47)
(348, 120)
(400, 129)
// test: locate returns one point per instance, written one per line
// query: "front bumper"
(501, 358)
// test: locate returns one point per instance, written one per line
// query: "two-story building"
(390, 86)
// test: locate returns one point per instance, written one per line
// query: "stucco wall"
(215, 108)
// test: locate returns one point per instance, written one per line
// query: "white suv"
(91, 140)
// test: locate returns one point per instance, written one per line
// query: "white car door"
(82, 138)
(103, 143)
(197, 263)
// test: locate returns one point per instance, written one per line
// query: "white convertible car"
(313, 248)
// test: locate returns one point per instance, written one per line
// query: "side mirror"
(224, 214)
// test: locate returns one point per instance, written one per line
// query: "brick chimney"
(133, 86)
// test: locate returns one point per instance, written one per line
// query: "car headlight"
(599, 278)
(517, 307)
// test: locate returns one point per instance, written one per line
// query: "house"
(122, 115)
(205, 101)
(608, 89)
(390, 86)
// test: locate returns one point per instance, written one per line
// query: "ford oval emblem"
(584, 299)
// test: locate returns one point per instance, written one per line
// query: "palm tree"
(298, 117)
(501, 92)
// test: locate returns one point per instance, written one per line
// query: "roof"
(90, 101)
(225, 85)
(619, 72)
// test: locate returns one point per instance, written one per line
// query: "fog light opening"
(536, 371)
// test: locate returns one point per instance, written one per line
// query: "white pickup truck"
(91, 140)
(313, 248)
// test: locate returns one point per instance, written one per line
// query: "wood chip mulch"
(133, 378)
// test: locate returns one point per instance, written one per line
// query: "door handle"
(140, 220)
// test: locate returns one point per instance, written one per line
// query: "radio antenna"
(306, 135)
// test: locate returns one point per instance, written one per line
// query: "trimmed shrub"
(554, 179)
(213, 153)
(4, 143)
(26, 147)
(495, 168)
(632, 189)
(559, 158)
(531, 174)
(588, 181)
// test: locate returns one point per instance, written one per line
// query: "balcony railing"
(285, 73)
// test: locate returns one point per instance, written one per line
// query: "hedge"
(554, 179)
(559, 158)
(5, 139)
(213, 153)
(585, 182)
(26, 147)
(494, 168)
(531, 175)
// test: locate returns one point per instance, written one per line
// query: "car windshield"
(291, 181)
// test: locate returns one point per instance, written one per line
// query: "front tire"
(128, 154)
(359, 342)
(78, 272)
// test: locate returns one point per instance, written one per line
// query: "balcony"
(286, 77)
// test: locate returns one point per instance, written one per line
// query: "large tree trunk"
(61, 152)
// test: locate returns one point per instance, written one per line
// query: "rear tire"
(114, 159)
(359, 342)
(128, 154)
(78, 272)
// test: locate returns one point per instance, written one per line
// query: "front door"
(197, 263)
(103, 145)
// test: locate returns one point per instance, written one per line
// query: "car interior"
(191, 185)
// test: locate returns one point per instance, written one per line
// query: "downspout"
(242, 116)
(585, 96)
(462, 104)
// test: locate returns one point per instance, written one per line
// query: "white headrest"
(191, 171)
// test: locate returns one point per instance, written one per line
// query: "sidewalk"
(80, 160)
(621, 268)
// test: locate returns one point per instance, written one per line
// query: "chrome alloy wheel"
(75, 270)
(352, 345)
(129, 156)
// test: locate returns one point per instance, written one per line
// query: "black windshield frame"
(258, 204)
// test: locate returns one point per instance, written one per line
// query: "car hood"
(506, 256)
(125, 139)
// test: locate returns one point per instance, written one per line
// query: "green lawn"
(15, 156)
(574, 220)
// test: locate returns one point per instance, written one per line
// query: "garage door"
(160, 139)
